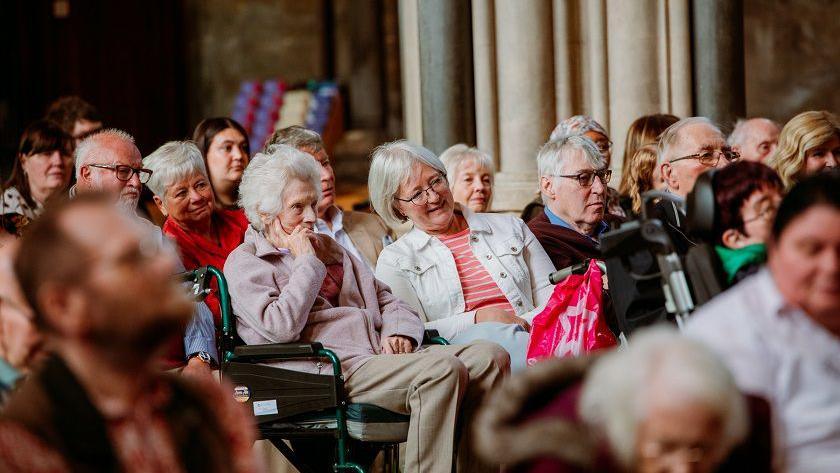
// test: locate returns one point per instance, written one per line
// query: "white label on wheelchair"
(265, 408)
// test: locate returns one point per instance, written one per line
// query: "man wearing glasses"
(108, 161)
(687, 149)
(573, 184)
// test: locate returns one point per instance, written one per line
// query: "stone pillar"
(718, 48)
(394, 119)
(358, 60)
(567, 55)
(617, 60)
(410, 58)
(679, 57)
(594, 61)
(525, 64)
(446, 85)
(484, 62)
(633, 66)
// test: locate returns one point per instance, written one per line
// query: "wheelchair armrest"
(432, 337)
(277, 351)
(200, 282)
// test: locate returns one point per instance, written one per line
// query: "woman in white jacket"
(469, 275)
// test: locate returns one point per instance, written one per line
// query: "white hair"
(671, 135)
(662, 363)
(741, 131)
(297, 137)
(85, 151)
(456, 155)
(577, 125)
(391, 165)
(266, 177)
(553, 156)
(173, 162)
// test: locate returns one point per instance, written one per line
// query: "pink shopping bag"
(572, 322)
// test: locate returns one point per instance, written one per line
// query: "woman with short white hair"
(470, 173)
(665, 399)
(471, 276)
(664, 403)
(290, 284)
(204, 233)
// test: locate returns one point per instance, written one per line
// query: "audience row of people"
(366, 285)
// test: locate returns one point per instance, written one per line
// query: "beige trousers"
(440, 387)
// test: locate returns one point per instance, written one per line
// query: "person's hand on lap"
(396, 345)
(494, 314)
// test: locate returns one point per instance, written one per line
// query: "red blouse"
(197, 251)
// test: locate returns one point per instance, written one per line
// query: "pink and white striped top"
(480, 290)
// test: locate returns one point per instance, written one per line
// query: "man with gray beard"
(109, 162)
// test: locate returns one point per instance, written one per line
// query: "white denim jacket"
(421, 270)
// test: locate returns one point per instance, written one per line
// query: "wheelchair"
(302, 407)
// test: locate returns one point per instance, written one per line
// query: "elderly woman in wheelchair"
(289, 284)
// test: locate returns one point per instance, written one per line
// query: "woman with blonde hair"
(639, 173)
(808, 144)
(639, 178)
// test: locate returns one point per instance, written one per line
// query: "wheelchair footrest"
(365, 422)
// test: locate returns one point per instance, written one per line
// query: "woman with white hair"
(204, 233)
(665, 403)
(290, 284)
(470, 173)
(470, 275)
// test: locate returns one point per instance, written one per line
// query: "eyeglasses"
(437, 184)
(766, 214)
(603, 146)
(125, 172)
(586, 178)
(711, 158)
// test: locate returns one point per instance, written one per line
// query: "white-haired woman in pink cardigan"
(289, 284)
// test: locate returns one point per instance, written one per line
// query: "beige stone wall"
(792, 56)
(230, 40)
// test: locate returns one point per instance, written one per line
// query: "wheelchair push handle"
(579, 268)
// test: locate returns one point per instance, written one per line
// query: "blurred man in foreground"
(104, 298)
(21, 345)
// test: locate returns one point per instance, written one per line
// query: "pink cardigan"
(276, 299)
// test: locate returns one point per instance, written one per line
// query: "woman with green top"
(747, 195)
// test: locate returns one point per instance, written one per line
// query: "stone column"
(446, 85)
(484, 62)
(718, 49)
(358, 60)
(633, 67)
(679, 57)
(567, 58)
(410, 58)
(525, 65)
(595, 70)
